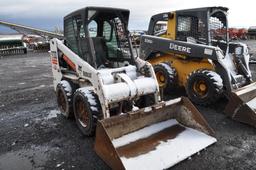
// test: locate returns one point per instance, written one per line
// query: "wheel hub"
(62, 102)
(161, 79)
(83, 116)
(200, 88)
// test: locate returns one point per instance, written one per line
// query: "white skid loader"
(97, 78)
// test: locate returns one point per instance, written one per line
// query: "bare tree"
(58, 30)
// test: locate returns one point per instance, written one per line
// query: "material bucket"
(242, 105)
(154, 137)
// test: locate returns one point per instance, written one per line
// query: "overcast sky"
(47, 14)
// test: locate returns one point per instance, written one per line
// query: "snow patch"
(59, 165)
(117, 91)
(168, 68)
(167, 153)
(134, 108)
(91, 99)
(246, 89)
(52, 114)
(143, 133)
(147, 109)
(94, 109)
(107, 74)
(66, 86)
(228, 61)
(218, 80)
(252, 104)
(146, 85)
(170, 102)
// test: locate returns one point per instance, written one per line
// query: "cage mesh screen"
(118, 46)
(218, 29)
(191, 27)
(184, 24)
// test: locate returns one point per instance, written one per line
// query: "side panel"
(151, 44)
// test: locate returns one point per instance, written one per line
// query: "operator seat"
(101, 51)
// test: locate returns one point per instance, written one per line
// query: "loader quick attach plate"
(155, 137)
(242, 105)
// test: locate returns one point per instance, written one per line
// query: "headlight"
(239, 50)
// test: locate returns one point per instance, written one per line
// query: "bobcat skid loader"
(192, 50)
(111, 92)
(97, 77)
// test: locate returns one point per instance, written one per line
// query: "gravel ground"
(33, 134)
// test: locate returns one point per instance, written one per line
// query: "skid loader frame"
(175, 40)
(152, 45)
(87, 76)
(81, 67)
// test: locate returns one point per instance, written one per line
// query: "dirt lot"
(33, 134)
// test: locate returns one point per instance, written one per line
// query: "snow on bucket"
(242, 105)
(155, 137)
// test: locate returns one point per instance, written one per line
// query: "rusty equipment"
(12, 44)
(155, 137)
(242, 105)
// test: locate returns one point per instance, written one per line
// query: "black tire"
(87, 110)
(166, 76)
(204, 87)
(64, 92)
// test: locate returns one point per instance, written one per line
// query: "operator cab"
(99, 36)
(206, 26)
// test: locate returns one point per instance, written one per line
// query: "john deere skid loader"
(192, 50)
(112, 92)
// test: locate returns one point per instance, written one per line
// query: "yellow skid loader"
(192, 50)
(114, 94)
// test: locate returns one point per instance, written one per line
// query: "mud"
(34, 135)
(31, 158)
(148, 144)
